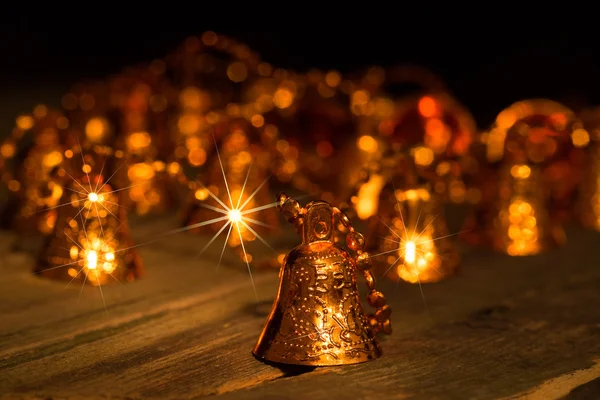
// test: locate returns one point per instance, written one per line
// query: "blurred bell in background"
(91, 242)
(44, 131)
(409, 233)
(401, 139)
(529, 176)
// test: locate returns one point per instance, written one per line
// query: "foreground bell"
(317, 318)
(91, 241)
(415, 242)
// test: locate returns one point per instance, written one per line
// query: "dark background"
(486, 65)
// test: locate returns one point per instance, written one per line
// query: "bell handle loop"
(380, 320)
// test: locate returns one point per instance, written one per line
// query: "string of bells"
(148, 138)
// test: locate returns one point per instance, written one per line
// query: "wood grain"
(504, 328)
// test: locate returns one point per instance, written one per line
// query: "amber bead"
(376, 299)
(363, 262)
(355, 241)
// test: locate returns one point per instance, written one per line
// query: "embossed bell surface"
(415, 242)
(317, 318)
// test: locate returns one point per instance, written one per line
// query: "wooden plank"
(504, 349)
(581, 384)
(504, 327)
(180, 296)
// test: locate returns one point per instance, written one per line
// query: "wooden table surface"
(506, 328)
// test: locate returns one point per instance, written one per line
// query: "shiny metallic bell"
(317, 318)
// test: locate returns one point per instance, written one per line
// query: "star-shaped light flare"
(236, 215)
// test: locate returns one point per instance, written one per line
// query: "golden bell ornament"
(33, 181)
(518, 222)
(408, 229)
(431, 124)
(91, 241)
(439, 132)
(317, 318)
(439, 149)
(415, 241)
(544, 133)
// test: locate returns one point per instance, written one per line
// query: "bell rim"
(377, 353)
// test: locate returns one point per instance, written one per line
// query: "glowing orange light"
(367, 199)
(25, 122)
(197, 156)
(427, 107)
(423, 156)
(367, 144)
(95, 129)
(234, 215)
(283, 98)
(520, 171)
(580, 137)
(410, 251)
(91, 259)
(333, 78)
(7, 150)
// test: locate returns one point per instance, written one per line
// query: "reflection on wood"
(509, 327)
